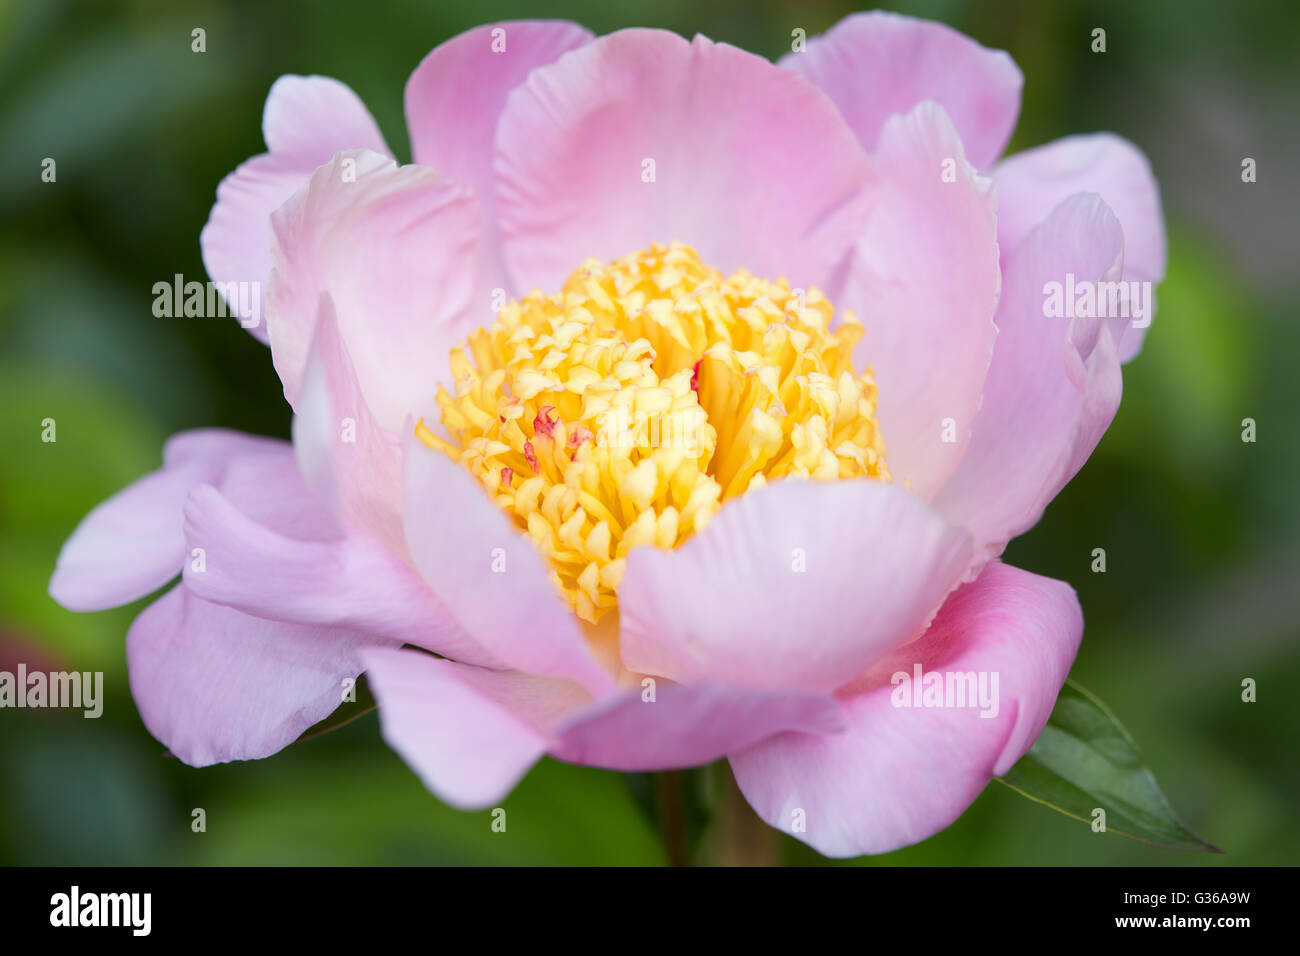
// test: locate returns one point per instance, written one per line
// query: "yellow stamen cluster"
(626, 409)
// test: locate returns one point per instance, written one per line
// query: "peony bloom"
(677, 401)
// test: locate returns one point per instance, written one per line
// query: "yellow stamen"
(626, 409)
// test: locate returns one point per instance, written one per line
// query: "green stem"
(672, 815)
(739, 837)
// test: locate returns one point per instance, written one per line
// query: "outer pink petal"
(453, 101)
(346, 456)
(1054, 384)
(1032, 183)
(924, 279)
(469, 733)
(488, 575)
(306, 121)
(394, 248)
(901, 774)
(132, 543)
(752, 165)
(686, 726)
(268, 488)
(874, 65)
(352, 582)
(310, 118)
(798, 585)
(215, 685)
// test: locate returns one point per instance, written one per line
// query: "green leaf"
(1085, 759)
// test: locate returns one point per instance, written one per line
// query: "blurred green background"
(1200, 529)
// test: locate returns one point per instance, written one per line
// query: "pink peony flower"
(485, 350)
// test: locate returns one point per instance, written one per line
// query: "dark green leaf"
(1085, 759)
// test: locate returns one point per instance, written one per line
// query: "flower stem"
(672, 815)
(738, 837)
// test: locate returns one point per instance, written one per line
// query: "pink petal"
(731, 605)
(215, 685)
(469, 733)
(352, 583)
(310, 118)
(132, 544)
(686, 726)
(924, 279)
(874, 65)
(489, 575)
(1032, 183)
(352, 462)
(902, 773)
(752, 166)
(306, 121)
(214, 446)
(394, 250)
(268, 488)
(453, 101)
(472, 733)
(1053, 386)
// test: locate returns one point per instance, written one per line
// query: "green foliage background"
(1200, 529)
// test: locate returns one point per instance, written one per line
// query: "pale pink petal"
(1053, 386)
(132, 544)
(310, 118)
(469, 733)
(348, 459)
(216, 446)
(1032, 183)
(307, 120)
(489, 575)
(751, 165)
(924, 280)
(268, 487)
(877, 64)
(453, 101)
(236, 241)
(128, 546)
(352, 582)
(215, 685)
(899, 774)
(686, 726)
(798, 585)
(393, 247)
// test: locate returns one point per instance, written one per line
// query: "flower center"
(626, 409)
